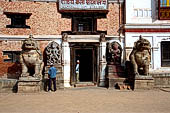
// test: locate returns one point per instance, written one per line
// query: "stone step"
(123, 86)
(8, 85)
(118, 83)
(84, 84)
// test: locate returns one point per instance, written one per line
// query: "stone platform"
(115, 75)
(8, 85)
(144, 82)
(29, 85)
(84, 84)
(161, 80)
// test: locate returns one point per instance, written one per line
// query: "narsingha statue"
(31, 58)
(114, 52)
(53, 52)
(140, 56)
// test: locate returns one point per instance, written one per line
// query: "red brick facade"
(8, 69)
(45, 20)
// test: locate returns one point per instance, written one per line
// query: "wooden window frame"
(18, 20)
(163, 12)
(75, 25)
(14, 56)
(165, 60)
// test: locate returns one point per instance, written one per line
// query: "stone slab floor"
(87, 100)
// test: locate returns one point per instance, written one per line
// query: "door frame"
(95, 60)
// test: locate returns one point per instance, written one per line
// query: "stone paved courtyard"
(87, 100)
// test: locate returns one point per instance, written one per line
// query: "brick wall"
(46, 20)
(9, 69)
(113, 21)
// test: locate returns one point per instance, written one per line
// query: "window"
(80, 27)
(145, 13)
(149, 13)
(164, 10)
(136, 13)
(11, 56)
(165, 54)
(18, 20)
(83, 25)
(140, 13)
(164, 3)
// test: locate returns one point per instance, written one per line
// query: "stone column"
(66, 60)
(102, 58)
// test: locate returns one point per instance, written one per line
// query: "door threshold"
(84, 84)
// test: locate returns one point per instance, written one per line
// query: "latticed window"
(165, 54)
(164, 9)
(18, 20)
(11, 56)
(165, 3)
(84, 24)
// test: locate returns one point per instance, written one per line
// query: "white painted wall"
(155, 39)
(143, 12)
(137, 17)
(138, 11)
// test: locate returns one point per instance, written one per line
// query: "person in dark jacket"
(52, 77)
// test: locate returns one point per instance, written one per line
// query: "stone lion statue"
(140, 56)
(31, 58)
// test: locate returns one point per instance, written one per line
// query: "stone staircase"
(8, 85)
(120, 83)
(84, 84)
(116, 78)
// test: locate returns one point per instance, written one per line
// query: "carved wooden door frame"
(95, 60)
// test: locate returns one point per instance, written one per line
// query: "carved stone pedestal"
(115, 75)
(29, 85)
(144, 82)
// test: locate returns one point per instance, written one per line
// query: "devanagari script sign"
(82, 4)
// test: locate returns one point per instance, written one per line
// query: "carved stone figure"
(53, 52)
(102, 37)
(140, 56)
(114, 52)
(31, 58)
(65, 37)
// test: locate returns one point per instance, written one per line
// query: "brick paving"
(87, 100)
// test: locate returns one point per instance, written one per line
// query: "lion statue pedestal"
(140, 59)
(32, 64)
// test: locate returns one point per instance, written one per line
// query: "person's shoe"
(49, 91)
(54, 91)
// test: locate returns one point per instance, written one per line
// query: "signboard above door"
(74, 5)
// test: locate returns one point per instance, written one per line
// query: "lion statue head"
(142, 44)
(29, 44)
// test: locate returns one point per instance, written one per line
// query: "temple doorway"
(87, 55)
